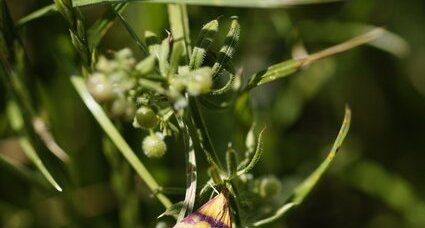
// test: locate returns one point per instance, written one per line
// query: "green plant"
(163, 94)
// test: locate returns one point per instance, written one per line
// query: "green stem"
(180, 30)
(118, 140)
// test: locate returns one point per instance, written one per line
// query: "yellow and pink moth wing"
(213, 214)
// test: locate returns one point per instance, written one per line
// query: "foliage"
(162, 107)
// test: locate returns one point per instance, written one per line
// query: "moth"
(213, 214)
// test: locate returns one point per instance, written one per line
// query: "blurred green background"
(378, 179)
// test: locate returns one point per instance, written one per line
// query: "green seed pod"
(100, 88)
(153, 146)
(146, 117)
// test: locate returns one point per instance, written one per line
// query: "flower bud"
(269, 186)
(146, 117)
(100, 87)
(153, 146)
(118, 107)
(200, 81)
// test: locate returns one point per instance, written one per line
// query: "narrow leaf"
(256, 157)
(98, 30)
(307, 185)
(205, 39)
(132, 33)
(234, 3)
(228, 49)
(17, 122)
(191, 173)
(302, 190)
(334, 32)
(117, 139)
(289, 67)
(179, 24)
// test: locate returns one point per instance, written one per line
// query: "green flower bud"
(125, 59)
(100, 87)
(146, 117)
(130, 111)
(118, 107)
(200, 81)
(269, 186)
(153, 146)
(105, 66)
(124, 53)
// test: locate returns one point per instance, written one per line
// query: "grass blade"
(302, 190)
(17, 122)
(117, 139)
(234, 3)
(191, 173)
(289, 67)
(98, 30)
(23, 173)
(132, 33)
(179, 24)
(335, 32)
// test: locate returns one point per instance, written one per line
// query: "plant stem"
(180, 31)
(118, 140)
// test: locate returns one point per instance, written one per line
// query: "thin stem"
(180, 31)
(118, 140)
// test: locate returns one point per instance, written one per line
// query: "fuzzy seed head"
(153, 146)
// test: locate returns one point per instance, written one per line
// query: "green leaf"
(117, 139)
(302, 190)
(173, 210)
(191, 173)
(24, 173)
(334, 32)
(205, 39)
(228, 48)
(256, 157)
(179, 24)
(132, 33)
(289, 67)
(16, 120)
(279, 213)
(233, 3)
(163, 57)
(98, 30)
(175, 58)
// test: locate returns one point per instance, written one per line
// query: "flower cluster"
(149, 91)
